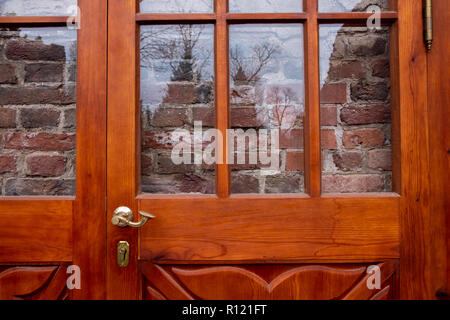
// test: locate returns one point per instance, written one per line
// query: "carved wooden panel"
(266, 282)
(33, 283)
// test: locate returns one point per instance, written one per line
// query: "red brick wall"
(37, 112)
(355, 110)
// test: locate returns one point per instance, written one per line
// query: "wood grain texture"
(439, 123)
(265, 282)
(35, 230)
(34, 283)
(270, 229)
(89, 229)
(415, 215)
(122, 142)
(313, 166)
(222, 89)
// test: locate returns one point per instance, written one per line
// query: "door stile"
(89, 220)
(122, 283)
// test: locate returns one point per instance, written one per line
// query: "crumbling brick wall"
(37, 111)
(355, 109)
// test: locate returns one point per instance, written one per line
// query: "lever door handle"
(123, 217)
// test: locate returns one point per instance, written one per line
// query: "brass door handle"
(123, 217)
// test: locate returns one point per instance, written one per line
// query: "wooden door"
(53, 102)
(317, 241)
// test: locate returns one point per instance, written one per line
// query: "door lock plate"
(123, 253)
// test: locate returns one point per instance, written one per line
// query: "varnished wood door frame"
(409, 202)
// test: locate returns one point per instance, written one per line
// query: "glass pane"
(266, 6)
(267, 108)
(37, 8)
(351, 5)
(177, 6)
(355, 109)
(177, 108)
(37, 111)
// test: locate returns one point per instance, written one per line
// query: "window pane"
(267, 108)
(177, 6)
(37, 8)
(351, 5)
(355, 109)
(37, 111)
(177, 98)
(266, 6)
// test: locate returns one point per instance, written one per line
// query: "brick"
(283, 183)
(347, 161)
(165, 165)
(35, 95)
(333, 93)
(381, 68)
(291, 139)
(244, 184)
(37, 118)
(248, 117)
(70, 118)
(7, 118)
(353, 183)
(169, 117)
(328, 139)
(380, 113)
(205, 115)
(180, 93)
(367, 45)
(146, 165)
(37, 187)
(7, 164)
(194, 183)
(25, 49)
(328, 116)
(45, 166)
(363, 137)
(295, 161)
(44, 72)
(158, 139)
(347, 70)
(380, 159)
(7, 74)
(368, 91)
(179, 183)
(40, 141)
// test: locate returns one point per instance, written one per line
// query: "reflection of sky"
(160, 71)
(266, 5)
(36, 7)
(58, 36)
(177, 6)
(287, 63)
(349, 5)
(327, 38)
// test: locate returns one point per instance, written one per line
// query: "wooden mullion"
(174, 18)
(336, 17)
(54, 21)
(263, 17)
(222, 95)
(312, 103)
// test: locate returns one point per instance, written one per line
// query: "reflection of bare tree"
(174, 47)
(248, 70)
(285, 113)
